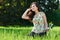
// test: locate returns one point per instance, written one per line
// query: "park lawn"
(20, 33)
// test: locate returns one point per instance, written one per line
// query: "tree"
(11, 10)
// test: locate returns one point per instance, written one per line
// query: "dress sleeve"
(42, 13)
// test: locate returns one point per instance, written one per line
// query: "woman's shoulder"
(41, 13)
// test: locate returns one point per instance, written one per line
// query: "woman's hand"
(28, 9)
(25, 16)
(47, 29)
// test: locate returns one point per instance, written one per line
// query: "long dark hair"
(33, 13)
(37, 5)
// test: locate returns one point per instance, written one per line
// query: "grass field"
(20, 33)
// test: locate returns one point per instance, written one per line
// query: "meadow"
(20, 33)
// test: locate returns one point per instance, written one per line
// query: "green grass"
(20, 33)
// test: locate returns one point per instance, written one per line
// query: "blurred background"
(13, 27)
(12, 10)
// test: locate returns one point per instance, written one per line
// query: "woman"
(39, 19)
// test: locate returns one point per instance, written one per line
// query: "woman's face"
(33, 7)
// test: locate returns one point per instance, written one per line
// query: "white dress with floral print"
(38, 23)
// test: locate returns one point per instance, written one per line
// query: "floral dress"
(38, 23)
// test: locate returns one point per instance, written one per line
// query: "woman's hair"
(33, 13)
(37, 5)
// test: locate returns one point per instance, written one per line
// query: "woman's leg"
(42, 34)
(32, 34)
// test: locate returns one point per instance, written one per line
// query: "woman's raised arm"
(25, 16)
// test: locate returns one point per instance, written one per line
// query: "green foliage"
(56, 17)
(12, 10)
